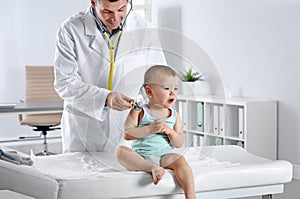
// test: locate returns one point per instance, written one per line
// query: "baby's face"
(164, 91)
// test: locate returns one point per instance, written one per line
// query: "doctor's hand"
(118, 101)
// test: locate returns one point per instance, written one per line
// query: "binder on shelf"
(200, 117)
(187, 139)
(221, 120)
(241, 123)
(195, 140)
(241, 144)
(219, 141)
(182, 106)
(216, 119)
(201, 140)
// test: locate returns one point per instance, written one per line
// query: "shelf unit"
(213, 120)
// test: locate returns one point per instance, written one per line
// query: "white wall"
(254, 44)
(255, 47)
(27, 37)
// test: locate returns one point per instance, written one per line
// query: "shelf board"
(195, 132)
(240, 101)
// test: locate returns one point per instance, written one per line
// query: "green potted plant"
(193, 83)
(190, 76)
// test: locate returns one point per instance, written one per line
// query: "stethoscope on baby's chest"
(111, 44)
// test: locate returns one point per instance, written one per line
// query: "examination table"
(219, 172)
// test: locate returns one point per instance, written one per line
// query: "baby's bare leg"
(182, 172)
(134, 162)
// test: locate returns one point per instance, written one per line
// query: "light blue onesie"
(155, 144)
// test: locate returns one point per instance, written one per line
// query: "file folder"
(241, 123)
(201, 140)
(195, 140)
(216, 119)
(221, 121)
(219, 141)
(182, 106)
(200, 117)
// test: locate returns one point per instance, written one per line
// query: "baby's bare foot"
(157, 174)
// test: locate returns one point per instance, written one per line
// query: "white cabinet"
(212, 120)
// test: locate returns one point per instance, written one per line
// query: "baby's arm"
(175, 135)
(132, 131)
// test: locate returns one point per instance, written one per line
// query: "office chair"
(40, 88)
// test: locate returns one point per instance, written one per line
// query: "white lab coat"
(82, 65)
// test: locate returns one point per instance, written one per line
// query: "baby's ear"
(148, 91)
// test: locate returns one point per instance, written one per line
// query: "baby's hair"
(155, 70)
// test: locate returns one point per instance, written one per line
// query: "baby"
(155, 130)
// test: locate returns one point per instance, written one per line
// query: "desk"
(34, 107)
(29, 108)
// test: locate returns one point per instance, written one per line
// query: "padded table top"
(92, 175)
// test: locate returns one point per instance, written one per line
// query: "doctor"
(96, 50)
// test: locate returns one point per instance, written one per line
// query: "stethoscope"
(111, 45)
(141, 99)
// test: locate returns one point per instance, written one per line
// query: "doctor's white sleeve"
(78, 95)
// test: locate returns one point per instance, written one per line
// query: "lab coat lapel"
(99, 45)
(97, 41)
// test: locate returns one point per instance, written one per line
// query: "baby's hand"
(157, 125)
(167, 130)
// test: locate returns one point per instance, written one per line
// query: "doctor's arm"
(85, 97)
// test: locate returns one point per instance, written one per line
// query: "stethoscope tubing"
(111, 44)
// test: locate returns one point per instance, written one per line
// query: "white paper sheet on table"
(84, 165)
